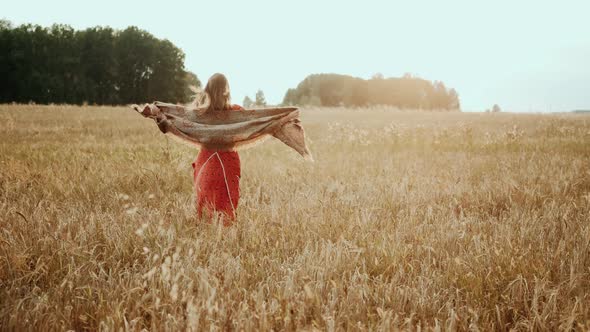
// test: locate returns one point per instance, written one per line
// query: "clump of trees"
(247, 102)
(97, 65)
(495, 109)
(260, 100)
(407, 92)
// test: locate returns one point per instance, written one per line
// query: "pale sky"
(524, 55)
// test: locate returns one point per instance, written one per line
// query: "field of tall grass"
(406, 220)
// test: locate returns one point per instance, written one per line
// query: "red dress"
(217, 181)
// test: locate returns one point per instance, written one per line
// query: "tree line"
(407, 92)
(101, 65)
(98, 65)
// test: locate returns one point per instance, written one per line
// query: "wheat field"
(406, 220)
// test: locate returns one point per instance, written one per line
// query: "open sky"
(524, 55)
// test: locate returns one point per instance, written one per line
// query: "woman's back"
(216, 176)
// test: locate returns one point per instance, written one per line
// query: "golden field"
(406, 220)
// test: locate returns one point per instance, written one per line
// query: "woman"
(213, 124)
(217, 173)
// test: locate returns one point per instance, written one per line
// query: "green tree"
(99, 73)
(247, 103)
(454, 103)
(291, 97)
(191, 84)
(7, 62)
(260, 100)
(97, 65)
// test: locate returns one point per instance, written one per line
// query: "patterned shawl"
(228, 130)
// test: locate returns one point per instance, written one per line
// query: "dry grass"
(405, 220)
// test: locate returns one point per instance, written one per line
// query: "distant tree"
(407, 92)
(192, 79)
(5, 24)
(148, 68)
(496, 108)
(291, 97)
(97, 65)
(377, 76)
(98, 72)
(192, 83)
(260, 100)
(247, 103)
(454, 103)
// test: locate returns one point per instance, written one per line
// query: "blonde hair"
(215, 96)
